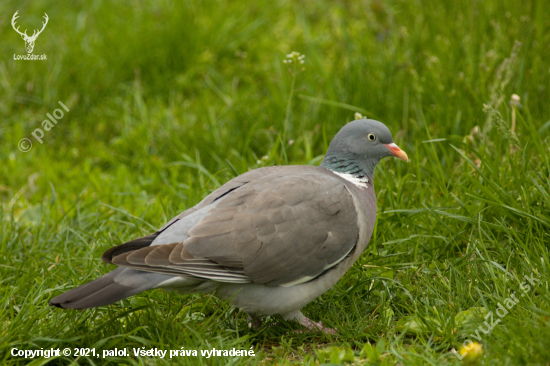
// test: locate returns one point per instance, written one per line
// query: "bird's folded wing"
(282, 229)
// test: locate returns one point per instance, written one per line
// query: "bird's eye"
(371, 136)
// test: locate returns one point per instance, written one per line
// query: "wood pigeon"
(270, 240)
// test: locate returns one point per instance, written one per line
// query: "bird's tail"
(116, 285)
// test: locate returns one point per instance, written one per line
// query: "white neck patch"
(359, 182)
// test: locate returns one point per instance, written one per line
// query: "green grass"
(168, 100)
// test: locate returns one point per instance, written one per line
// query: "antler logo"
(29, 41)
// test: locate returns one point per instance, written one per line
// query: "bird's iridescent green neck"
(347, 165)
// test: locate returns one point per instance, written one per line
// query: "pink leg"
(309, 324)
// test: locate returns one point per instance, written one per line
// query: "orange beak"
(396, 151)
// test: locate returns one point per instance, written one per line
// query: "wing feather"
(282, 227)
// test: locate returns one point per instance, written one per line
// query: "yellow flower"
(471, 352)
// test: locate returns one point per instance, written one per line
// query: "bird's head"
(361, 144)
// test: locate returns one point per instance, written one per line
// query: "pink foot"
(312, 326)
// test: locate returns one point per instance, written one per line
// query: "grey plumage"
(270, 240)
(115, 285)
